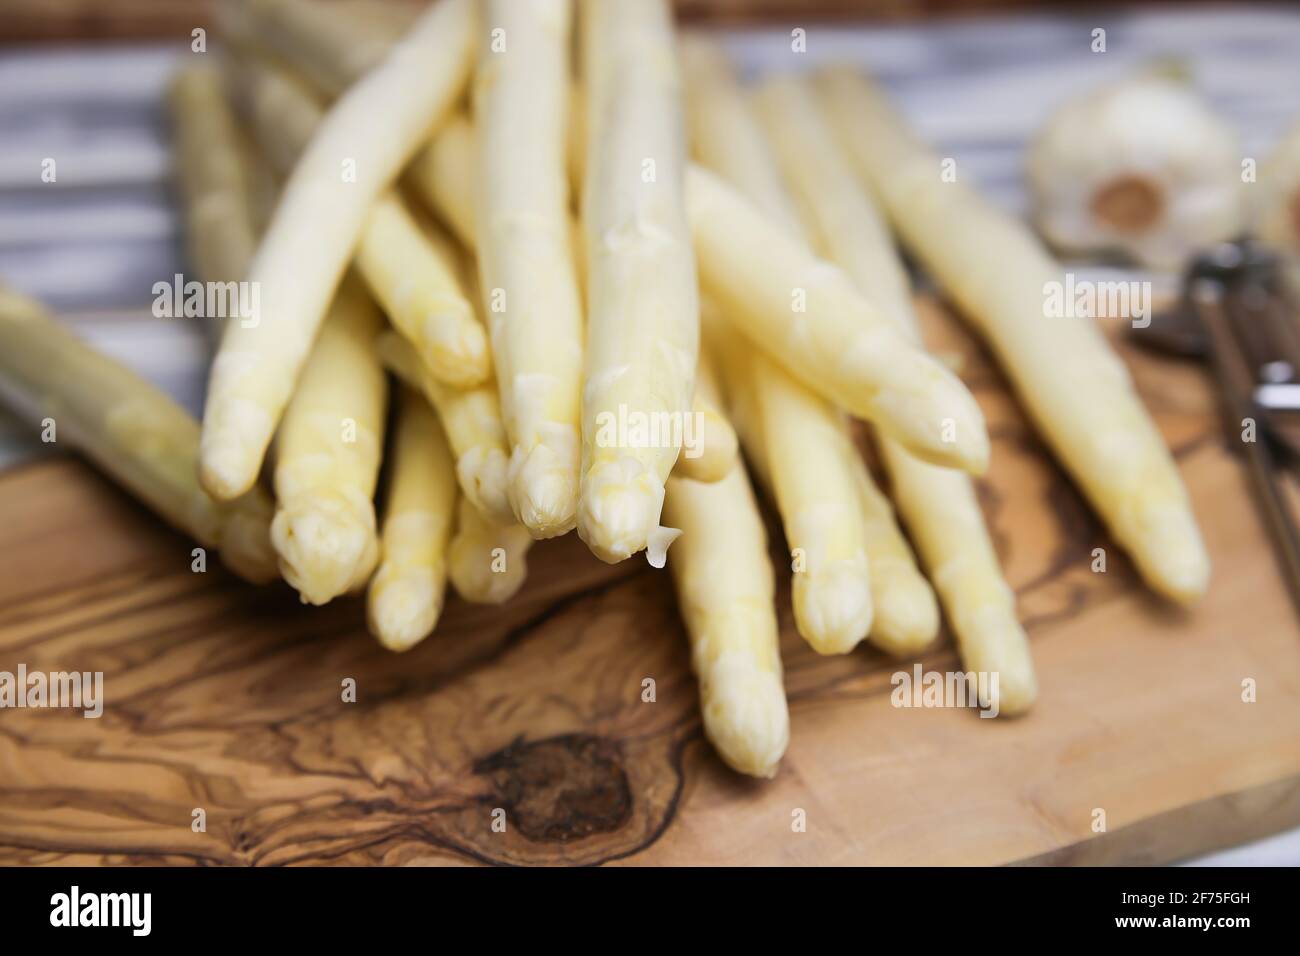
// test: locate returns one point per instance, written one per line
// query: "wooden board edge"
(1228, 820)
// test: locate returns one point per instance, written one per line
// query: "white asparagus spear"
(725, 592)
(129, 429)
(210, 167)
(939, 505)
(728, 140)
(328, 452)
(445, 176)
(406, 593)
(1074, 386)
(816, 491)
(487, 555)
(442, 174)
(405, 262)
(472, 420)
(526, 268)
(327, 455)
(947, 526)
(365, 139)
(319, 42)
(716, 443)
(329, 45)
(808, 316)
(487, 560)
(727, 136)
(906, 617)
(819, 497)
(410, 272)
(643, 310)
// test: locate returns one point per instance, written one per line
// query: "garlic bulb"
(1142, 167)
(1276, 201)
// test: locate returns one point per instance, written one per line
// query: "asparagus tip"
(833, 606)
(323, 545)
(745, 715)
(403, 606)
(907, 614)
(543, 491)
(615, 514)
(1169, 552)
(992, 641)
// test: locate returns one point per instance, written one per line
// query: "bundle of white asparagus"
(495, 204)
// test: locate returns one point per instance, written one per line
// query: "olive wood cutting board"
(226, 698)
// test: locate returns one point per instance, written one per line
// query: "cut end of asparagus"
(619, 508)
(456, 353)
(544, 490)
(745, 715)
(832, 605)
(234, 440)
(324, 545)
(403, 606)
(906, 612)
(1167, 548)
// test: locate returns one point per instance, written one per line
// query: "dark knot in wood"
(561, 788)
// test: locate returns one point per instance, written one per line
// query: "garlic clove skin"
(1142, 167)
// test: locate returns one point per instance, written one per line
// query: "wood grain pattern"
(227, 698)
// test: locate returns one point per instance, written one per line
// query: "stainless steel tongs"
(1238, 311)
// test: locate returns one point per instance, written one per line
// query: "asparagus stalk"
(1071, 382)
(725, 593)
(407, 267)
(725, 136)
(890, 595)
(368, 136)
(442, 174)
(472, 421)
(718, 444)
(809, 318)
(643, 311)
(819, 498)
(487, 560)
(939, 505)
(328, 451)
(328, 45)
(526, 267)
(406, 593)
(211, 171)
(413, 274)
(132, 431)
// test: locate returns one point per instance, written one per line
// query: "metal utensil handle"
(1236, 387)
